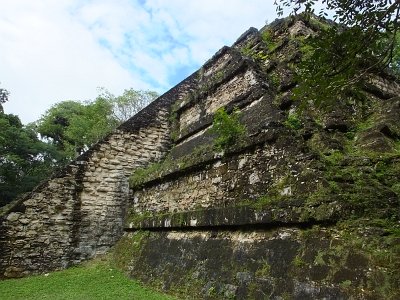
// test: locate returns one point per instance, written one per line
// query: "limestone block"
(13, 272)
(114, 162)
(105, 166)
(118, 148)
(24, 221)
(95, 159)
(254, 178)
(12, 217)
(29, 202)
(104, 189)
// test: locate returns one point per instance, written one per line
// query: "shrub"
(228, 129)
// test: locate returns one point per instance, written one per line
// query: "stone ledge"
(183, 163)
(208, 85)
(290, 212)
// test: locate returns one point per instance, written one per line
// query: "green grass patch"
(93, 280)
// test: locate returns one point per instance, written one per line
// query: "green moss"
(174, 135)
(127, 249)
(275, 79)
(137, 218)
(319, 259)
(173, 120)
(287, 296)
(158, 169)
(248, 51)
(264, 271)
(269, 41)
(141, 175)
(218, 76)
(264, 201)
(298, 262)
(345, 283)
(333, 158)
(396, 188)
(382, 249)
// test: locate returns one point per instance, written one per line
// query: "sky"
(57, 50)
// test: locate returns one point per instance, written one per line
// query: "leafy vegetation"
(228, 129)
(256, 55)
(128, 104)
(293, 121)
(269, 40)
(24, 159)
(66, 130)
(3, 97)
(74, 126)
(93, 280)
(157, 169)
(341, 58)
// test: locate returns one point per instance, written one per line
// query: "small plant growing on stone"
(268, 39)
(345, 284)
(228, 129)
(298, 262)
(293, 121)
(256, 55)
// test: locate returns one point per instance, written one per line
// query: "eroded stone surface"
(304, 206)
(80, 211)
(257, 264)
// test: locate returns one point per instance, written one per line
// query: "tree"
(341, 58)
(54, 123)
(3, 97)
(129, 103)
(74, 126)
(93, 122)
(67, 129)
(24, 159)
(373, 16)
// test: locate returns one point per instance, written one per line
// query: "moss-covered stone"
(350, 260)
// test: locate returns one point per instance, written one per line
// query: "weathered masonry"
(80, 211)
(304, 205)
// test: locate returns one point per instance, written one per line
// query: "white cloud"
(57, 50)
(47, 57)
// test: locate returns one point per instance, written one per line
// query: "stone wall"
(263, 263)
(80, 211)
(224, 182)
(305, 205)
(291, 211)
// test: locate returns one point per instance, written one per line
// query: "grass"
(93, 280)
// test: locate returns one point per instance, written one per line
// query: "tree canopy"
(341, 58)
(24, 159)
(66, 129)
(74, 126)
(3, 97)
(129, 103)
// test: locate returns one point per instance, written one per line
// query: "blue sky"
(55, 50)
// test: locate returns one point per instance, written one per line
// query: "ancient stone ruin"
(303, 205)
